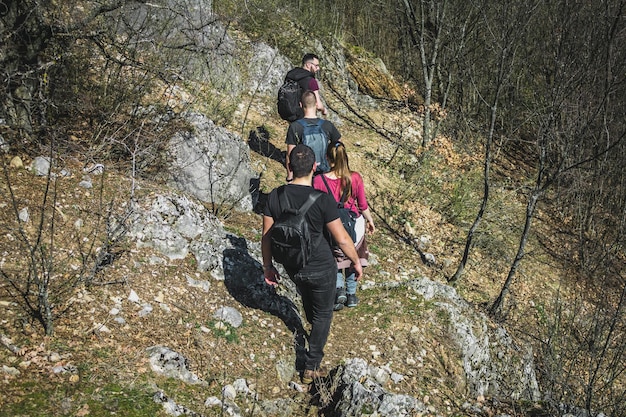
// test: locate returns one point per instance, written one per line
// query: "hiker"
(313, 132)
(316, 280)
(346, 186)
(311, 63)
(297, 81)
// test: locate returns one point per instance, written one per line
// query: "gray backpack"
(315, 138)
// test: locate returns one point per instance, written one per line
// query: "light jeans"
(349, 282)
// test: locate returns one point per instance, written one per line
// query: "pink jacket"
(357, 201)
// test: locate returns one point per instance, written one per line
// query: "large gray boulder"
(212, 164)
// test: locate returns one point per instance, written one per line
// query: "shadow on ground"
(243, 278)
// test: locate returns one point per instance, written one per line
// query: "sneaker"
(352, 301)
(311, 374)
(341, 296)
(338, 306)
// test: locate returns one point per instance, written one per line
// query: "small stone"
(229, 392)
(146, 310)
(16, 163)
(23, 215)
(86, 183)
(41, 166)
(241, 386)
(397, 378)
(212, 401)
(133, 297)
(9, 370)
(102, 328)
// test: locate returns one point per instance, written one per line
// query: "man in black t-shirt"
(295, 133)
(316, 281)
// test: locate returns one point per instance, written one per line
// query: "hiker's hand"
(358, 271)
(271, 275)
(371, 228)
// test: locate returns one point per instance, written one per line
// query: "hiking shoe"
(340, 296)
(352, 301)
(311, 374)
(338, 306)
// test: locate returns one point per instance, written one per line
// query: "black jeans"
(318, 298)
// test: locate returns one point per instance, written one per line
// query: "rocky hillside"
(157, 281)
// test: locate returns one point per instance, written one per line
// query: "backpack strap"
(309, 202)
(283, 200)
(285, 204)
(342, 200)
(327, 187)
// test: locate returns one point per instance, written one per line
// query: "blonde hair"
(338, 160)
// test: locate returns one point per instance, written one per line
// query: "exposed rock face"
(359, 390)
(176, 226)
(373, 78)
(267, 70)
(212, 164)
(493, 364)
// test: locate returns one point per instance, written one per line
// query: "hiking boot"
(311, 374)
(340, 296)
(352, 301)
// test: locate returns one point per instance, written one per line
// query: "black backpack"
(346, 215)
(292, 245)
(289, 95)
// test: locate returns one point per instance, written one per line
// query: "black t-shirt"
(323, 211)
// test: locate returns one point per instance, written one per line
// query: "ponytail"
(338, 160)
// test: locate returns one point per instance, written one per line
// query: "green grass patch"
(47, 398)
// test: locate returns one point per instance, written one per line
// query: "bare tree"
(507, 27)
(570, 113)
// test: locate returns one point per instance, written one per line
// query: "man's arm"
(269, 272)
(346, 244)
(289, 173)
(318, 103)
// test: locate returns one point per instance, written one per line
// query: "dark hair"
(338, 160)
(301, 160)
(309, 57)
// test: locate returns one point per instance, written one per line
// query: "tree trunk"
(496, 309)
